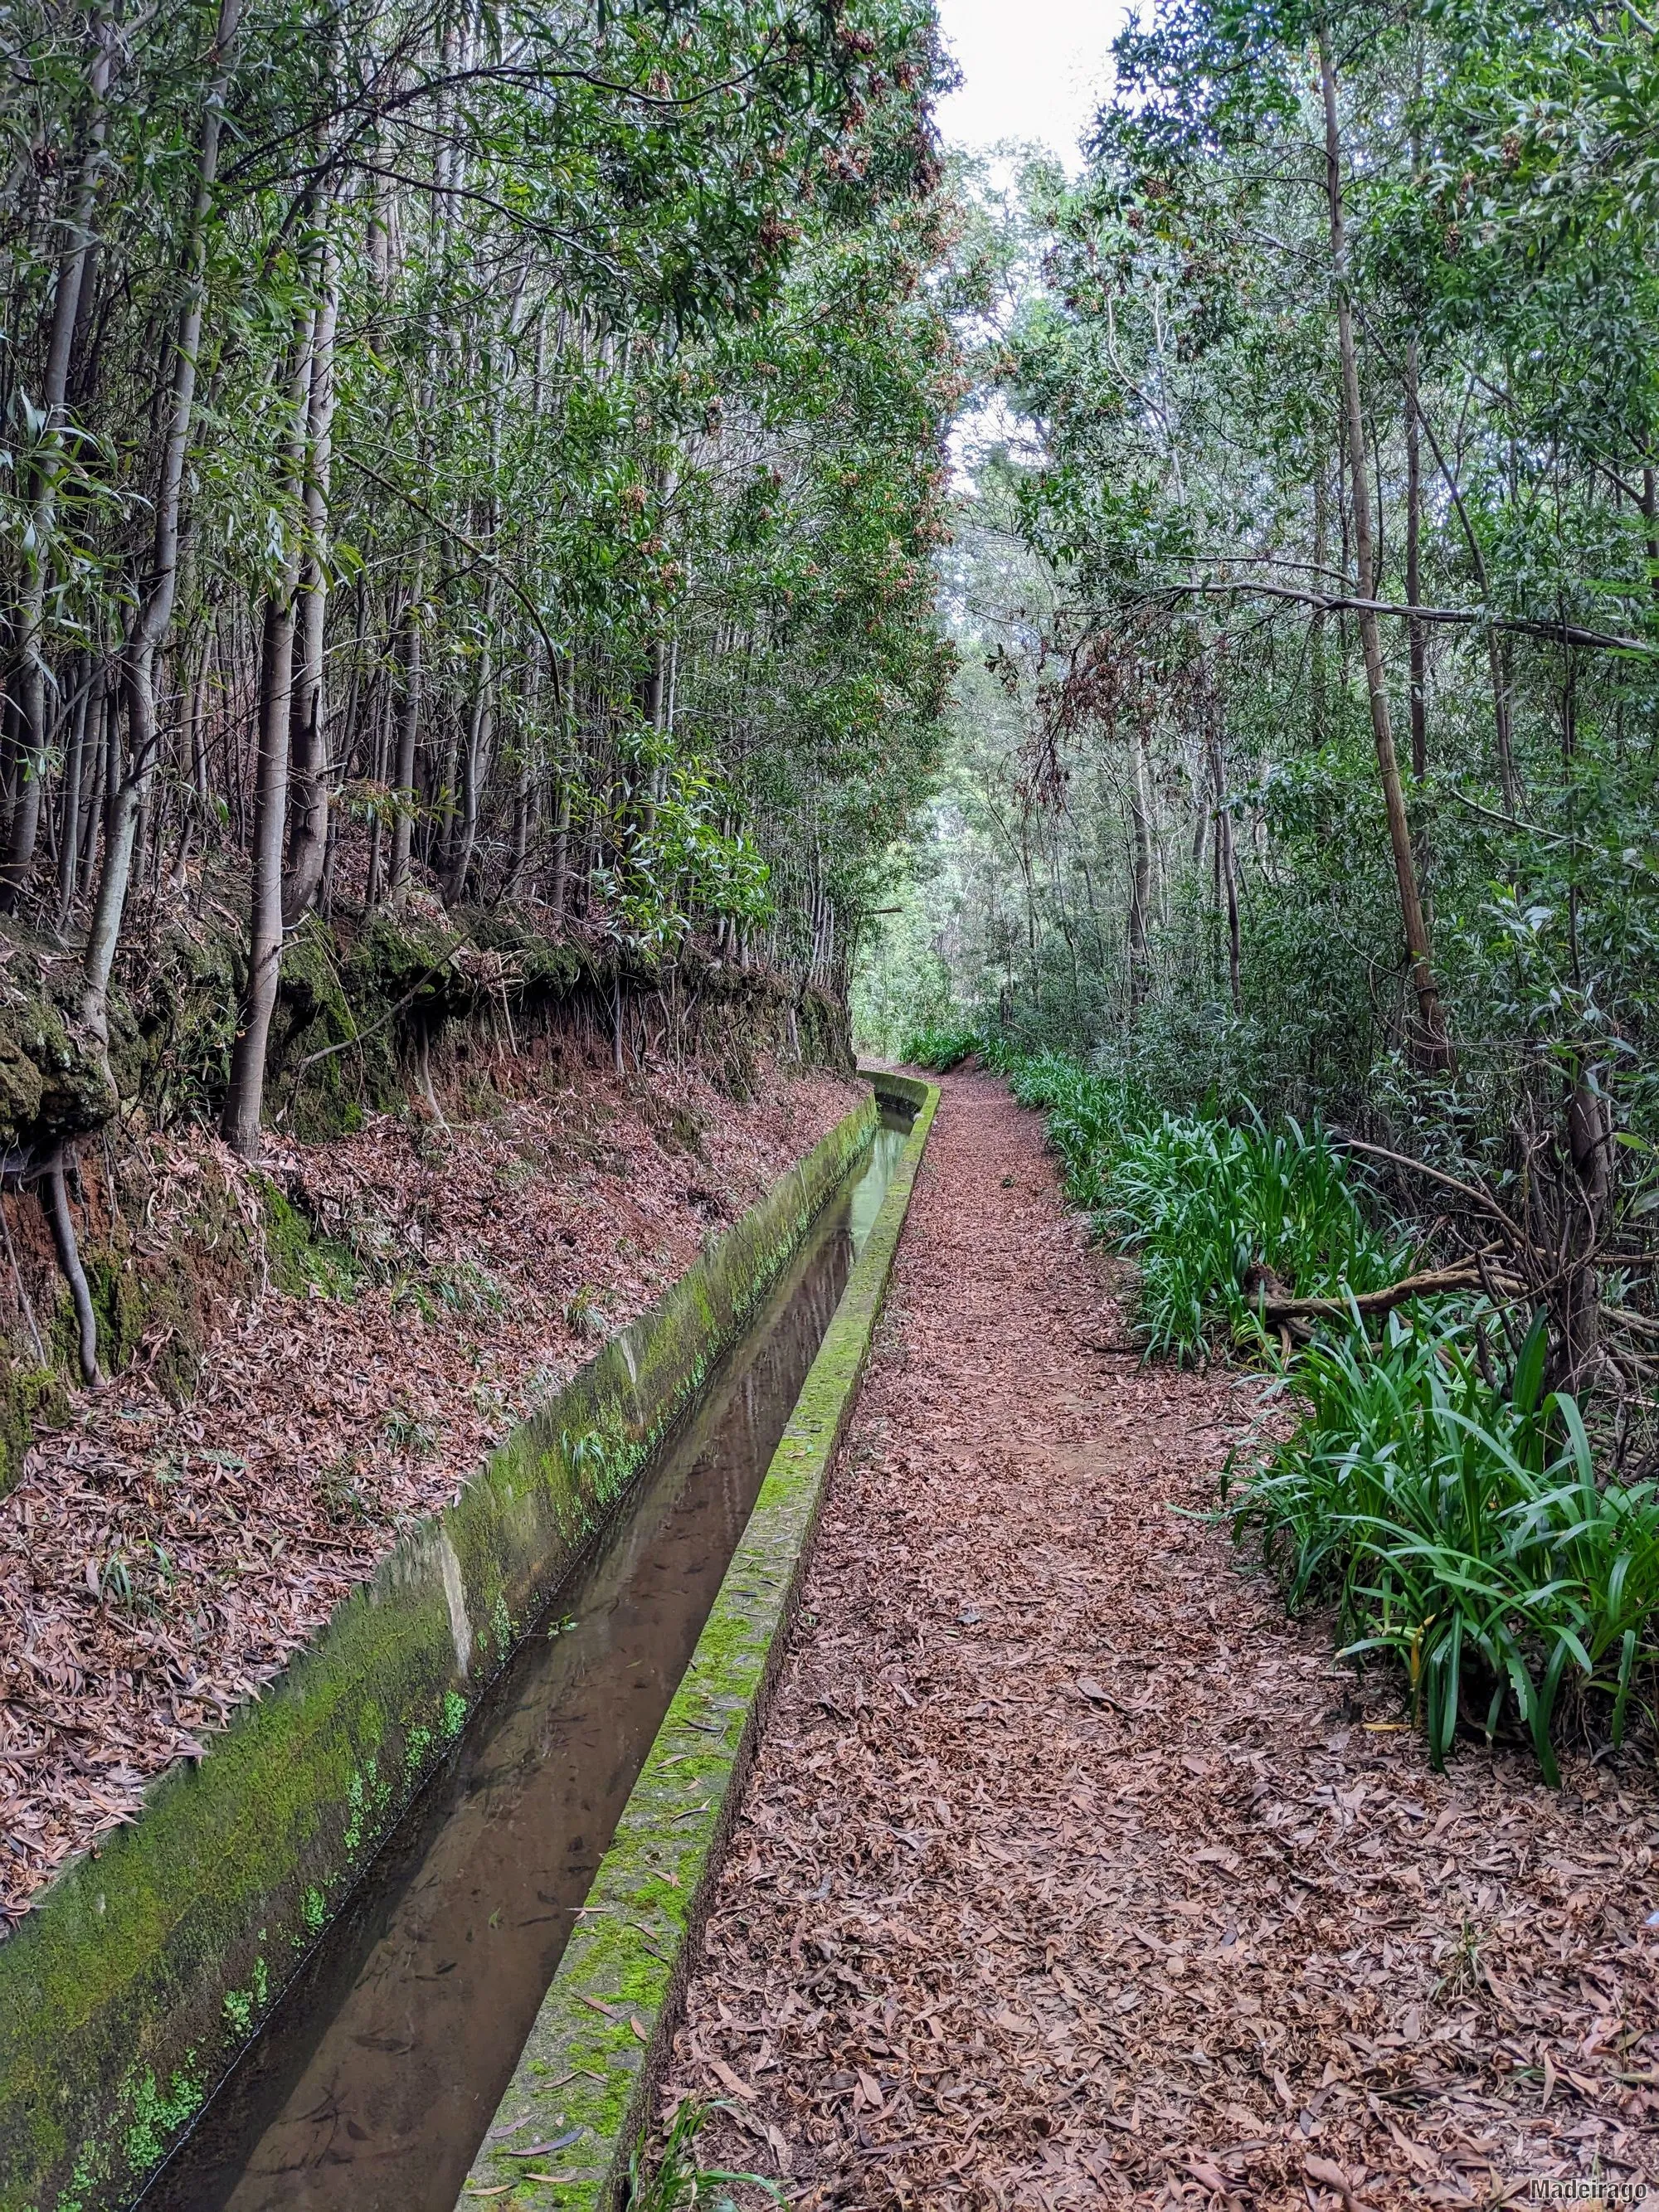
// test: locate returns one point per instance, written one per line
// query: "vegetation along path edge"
(150, 1962)
(605, 2027)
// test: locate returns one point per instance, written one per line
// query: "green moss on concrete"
(122, 1973)
(604, 2028)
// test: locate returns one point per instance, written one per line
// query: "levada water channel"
(372, 2083)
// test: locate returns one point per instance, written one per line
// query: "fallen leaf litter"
(158, 1565)
(1071, 1873)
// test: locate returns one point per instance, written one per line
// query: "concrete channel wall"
(152, 1959)
(582, 2090)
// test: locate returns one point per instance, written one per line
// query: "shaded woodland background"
(1303, 754)
(477, 454)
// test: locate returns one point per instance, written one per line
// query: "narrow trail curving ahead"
(1071, 1873)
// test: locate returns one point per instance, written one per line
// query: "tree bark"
(408, 725)
(62, 1221)
(1226, 867)
(244, 1099)
(155, 610)
(1429, 1044)
(1140, 883)
(86, 714)
(33, 685)
(1417, 658)
(308, 844)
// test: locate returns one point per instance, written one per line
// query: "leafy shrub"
(940, 1046)
(1204, 1203)
(1460, 1527)
(1200, 1202)
(1457, 1521)
(1091, 1115)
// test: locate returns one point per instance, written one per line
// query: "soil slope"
(159, 1562)
(1072, 1872)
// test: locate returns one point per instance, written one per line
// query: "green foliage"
(680, 2183)
(1458, 1524)
(1460, 1527)
(940, 1048)
(1206, 1206)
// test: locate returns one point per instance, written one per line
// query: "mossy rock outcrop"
(53, 1087)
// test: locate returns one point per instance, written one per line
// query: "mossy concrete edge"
(127, 1992)
(602, 2036)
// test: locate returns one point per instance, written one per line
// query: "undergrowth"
(1211, 1209)
(1452, 1514)
(680, 2183)
(1457, 1523)
(940, 1046)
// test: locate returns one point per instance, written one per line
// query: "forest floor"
(159, 1562)
(1072, 1872)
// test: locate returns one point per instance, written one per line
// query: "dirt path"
(1071, 1874)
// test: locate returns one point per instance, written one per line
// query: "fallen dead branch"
(1431, 1283)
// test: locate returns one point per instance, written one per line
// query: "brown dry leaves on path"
(158, 1562)
(1072, 1872)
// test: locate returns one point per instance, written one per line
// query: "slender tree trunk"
(33, 687)
(379, 773)
(244, 1099)
(475, 757)
(408, 725)
(524, 789)
(1430, 1045)
(1140, 883)
(154, 610)
(560, 892)
(307, 748)
(1318, 676)
(55, 1200)
(87, 713)
(1226, 865)
(1414, 629)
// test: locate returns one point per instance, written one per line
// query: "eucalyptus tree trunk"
(308, 844)
(72, 265)
(525, 786)
(1415, 647)
(1318, 676)
(86, 714)
(1141, 882)
(244, 1099)
(408, 725)
(1430, 1044)
(155, 609)
(559, 894)
(474, 760)
(1226, 865)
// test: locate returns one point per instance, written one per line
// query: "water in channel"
(371, 2085)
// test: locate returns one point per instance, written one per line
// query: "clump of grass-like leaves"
(1460, 1527)
(680, 2183)
(940, 1046)
(1091, 1116)
(1206, 1207)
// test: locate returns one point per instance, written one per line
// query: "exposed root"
(55, 1199)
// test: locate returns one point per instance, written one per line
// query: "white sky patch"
(1033, 71)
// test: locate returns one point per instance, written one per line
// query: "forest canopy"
(1307, 587)
(471, 454)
